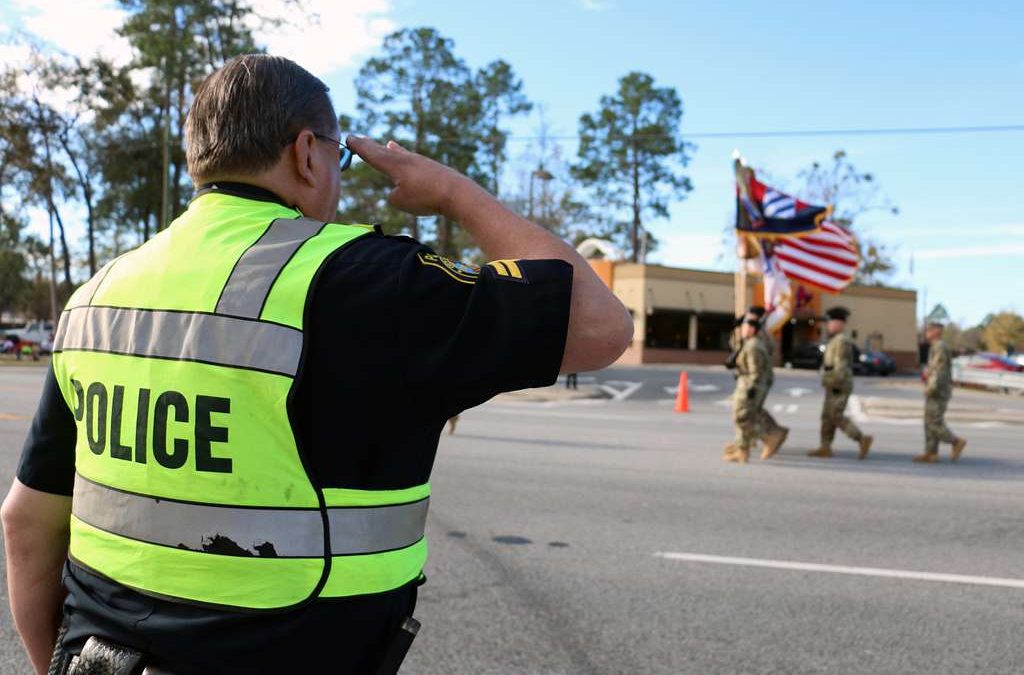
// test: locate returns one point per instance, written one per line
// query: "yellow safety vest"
(179, 360)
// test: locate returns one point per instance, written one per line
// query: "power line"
(882, 131)
(796, 133)
(773, 133)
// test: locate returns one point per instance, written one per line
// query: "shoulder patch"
(460, 271)
(508, 270)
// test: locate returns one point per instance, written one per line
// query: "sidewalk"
(11, 360)
(556, 392)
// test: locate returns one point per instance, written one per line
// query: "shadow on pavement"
(968, 466)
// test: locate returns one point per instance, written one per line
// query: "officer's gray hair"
(247, 111)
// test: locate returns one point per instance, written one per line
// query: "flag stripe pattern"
(826, 259)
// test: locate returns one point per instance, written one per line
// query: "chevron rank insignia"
(509, 270)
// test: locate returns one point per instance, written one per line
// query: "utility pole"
(542, 174)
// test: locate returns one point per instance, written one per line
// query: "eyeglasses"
(344, 154)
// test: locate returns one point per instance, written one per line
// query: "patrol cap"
(838, 313)
(938, 323)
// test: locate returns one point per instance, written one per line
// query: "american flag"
(826, 259)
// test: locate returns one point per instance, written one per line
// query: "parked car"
(35, 332)
(872, 363)
(986, 361)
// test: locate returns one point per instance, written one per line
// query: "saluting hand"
(423, 187)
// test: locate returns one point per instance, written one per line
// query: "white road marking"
(844, 569)
(792, 408)
(727, 402)
(797, 392)
(696, 388)
(620, 390)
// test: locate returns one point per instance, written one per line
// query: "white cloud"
(330, 35)
(14, 54)
(83, 28)
(990, 251)
(327, 36)
(597, 5)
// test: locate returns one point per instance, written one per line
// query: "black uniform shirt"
(399, 340)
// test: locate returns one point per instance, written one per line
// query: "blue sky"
(747, 66)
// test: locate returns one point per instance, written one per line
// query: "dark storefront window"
(713, 331)
(668, 329)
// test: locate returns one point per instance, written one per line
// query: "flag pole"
(740, 277)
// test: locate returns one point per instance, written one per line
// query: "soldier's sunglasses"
(344, 154)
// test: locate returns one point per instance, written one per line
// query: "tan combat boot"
(958, 447)
(823, 451)
(773, 442)
(927, 458)
(737, 455)
(865, 445)
(728, 450)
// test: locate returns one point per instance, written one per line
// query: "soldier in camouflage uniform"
(938, 378)
(773, 433)
(752, 366)
(837, 379)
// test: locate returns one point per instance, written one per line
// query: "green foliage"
(421, 94)
(852, 193)
(12, 264)
(963, 339)
(501, 97)
(631, 155)
(1003, 331)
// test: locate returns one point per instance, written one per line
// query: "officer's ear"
(304, 157)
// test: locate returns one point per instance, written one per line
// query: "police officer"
(837, 379)
(773, 433)
(246, 408)
(752, 366)
(938, 378)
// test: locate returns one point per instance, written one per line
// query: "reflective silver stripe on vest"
(256, 271)
(248, 531)
(208, 338)
(378, 528)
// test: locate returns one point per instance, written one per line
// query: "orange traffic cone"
(683, 395)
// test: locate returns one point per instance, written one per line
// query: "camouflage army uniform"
(767, 422)
(753, 370)
(938, 391)
(837, 379)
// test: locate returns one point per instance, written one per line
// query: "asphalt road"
(607, 536)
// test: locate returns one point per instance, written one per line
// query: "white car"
(39, 332)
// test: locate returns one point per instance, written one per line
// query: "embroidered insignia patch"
(460, 271)
(508, 270)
